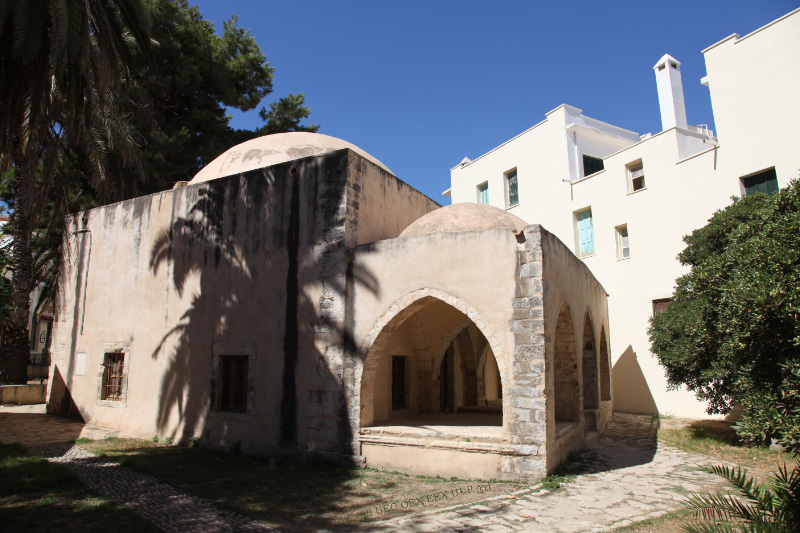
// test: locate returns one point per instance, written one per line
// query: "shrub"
(770, 507)
(735, 317)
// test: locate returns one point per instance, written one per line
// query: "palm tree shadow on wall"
(239, 257)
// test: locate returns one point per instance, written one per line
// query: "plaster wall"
(688, 176)
(753, 83)
(254, 265)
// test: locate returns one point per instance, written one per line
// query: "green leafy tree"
(198, 75)
(60, 63)
(733, 325)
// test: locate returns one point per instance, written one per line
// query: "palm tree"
(59, 63)
(772, 507)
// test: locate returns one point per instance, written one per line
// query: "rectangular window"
(233, 392)
(660, 305)
(591, 165)
(113, 366)
(512, 189)
(398, 382)
(764, 182)
(623, 244)
(635, 176)
(483, 193)
(585, 232)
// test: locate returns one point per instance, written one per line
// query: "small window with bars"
(233, 390)
(113, 374)
(635, 176)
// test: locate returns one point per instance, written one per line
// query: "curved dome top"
(272, 150)
(464, 217)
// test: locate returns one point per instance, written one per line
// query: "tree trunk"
(15, 351)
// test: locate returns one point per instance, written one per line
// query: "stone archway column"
(525, 405)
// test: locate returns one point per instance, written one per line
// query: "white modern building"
(625, 200)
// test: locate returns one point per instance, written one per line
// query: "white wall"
(753, 82)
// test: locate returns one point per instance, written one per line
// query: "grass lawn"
(39, 496)
(294, 497)
(718, 439)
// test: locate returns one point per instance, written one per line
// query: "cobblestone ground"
(630, 479)
(627, 479)
(165, 506)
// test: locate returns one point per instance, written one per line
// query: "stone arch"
(375, 341)
(589, 371)
(589, 367)
(566, 387)
(605, 367)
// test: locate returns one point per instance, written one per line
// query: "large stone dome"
(272, 150)
(464, 217)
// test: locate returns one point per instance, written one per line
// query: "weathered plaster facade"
(314, 305)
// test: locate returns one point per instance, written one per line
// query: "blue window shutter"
(586, 230)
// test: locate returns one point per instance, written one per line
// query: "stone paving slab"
(170, 509)
(632, 478)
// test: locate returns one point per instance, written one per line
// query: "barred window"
(233, 393)
(113, 366)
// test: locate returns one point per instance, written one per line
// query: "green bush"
(735, 317)
(774, 415)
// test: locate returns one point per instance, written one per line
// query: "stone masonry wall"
(527, 398)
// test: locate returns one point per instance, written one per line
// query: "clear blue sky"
(421, 84)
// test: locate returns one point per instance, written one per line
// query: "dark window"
(113, 366)
(636, 177)
(511, 186)
(233, 393)
(765, 182)
(591, 165)
(398, 382)
(660, 305)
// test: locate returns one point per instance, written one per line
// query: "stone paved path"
(630, 478)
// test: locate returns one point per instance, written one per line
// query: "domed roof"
(464, 217)
(272, 150)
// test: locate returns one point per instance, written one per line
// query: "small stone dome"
(272, 150)
(464, 217)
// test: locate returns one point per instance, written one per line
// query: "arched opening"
(424, 369)
(566, 393)
(605, 368)
(591, 400)
(490, 387)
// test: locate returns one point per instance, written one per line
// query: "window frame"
(592, 158)
(479, 192)
(619, 238)
(770, 170)
(660, 304)
(578, 238)
(221, 352)
(630, 169)
(400, 393)
(113, 350)
(507, 182)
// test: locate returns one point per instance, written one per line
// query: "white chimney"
(670, 92)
